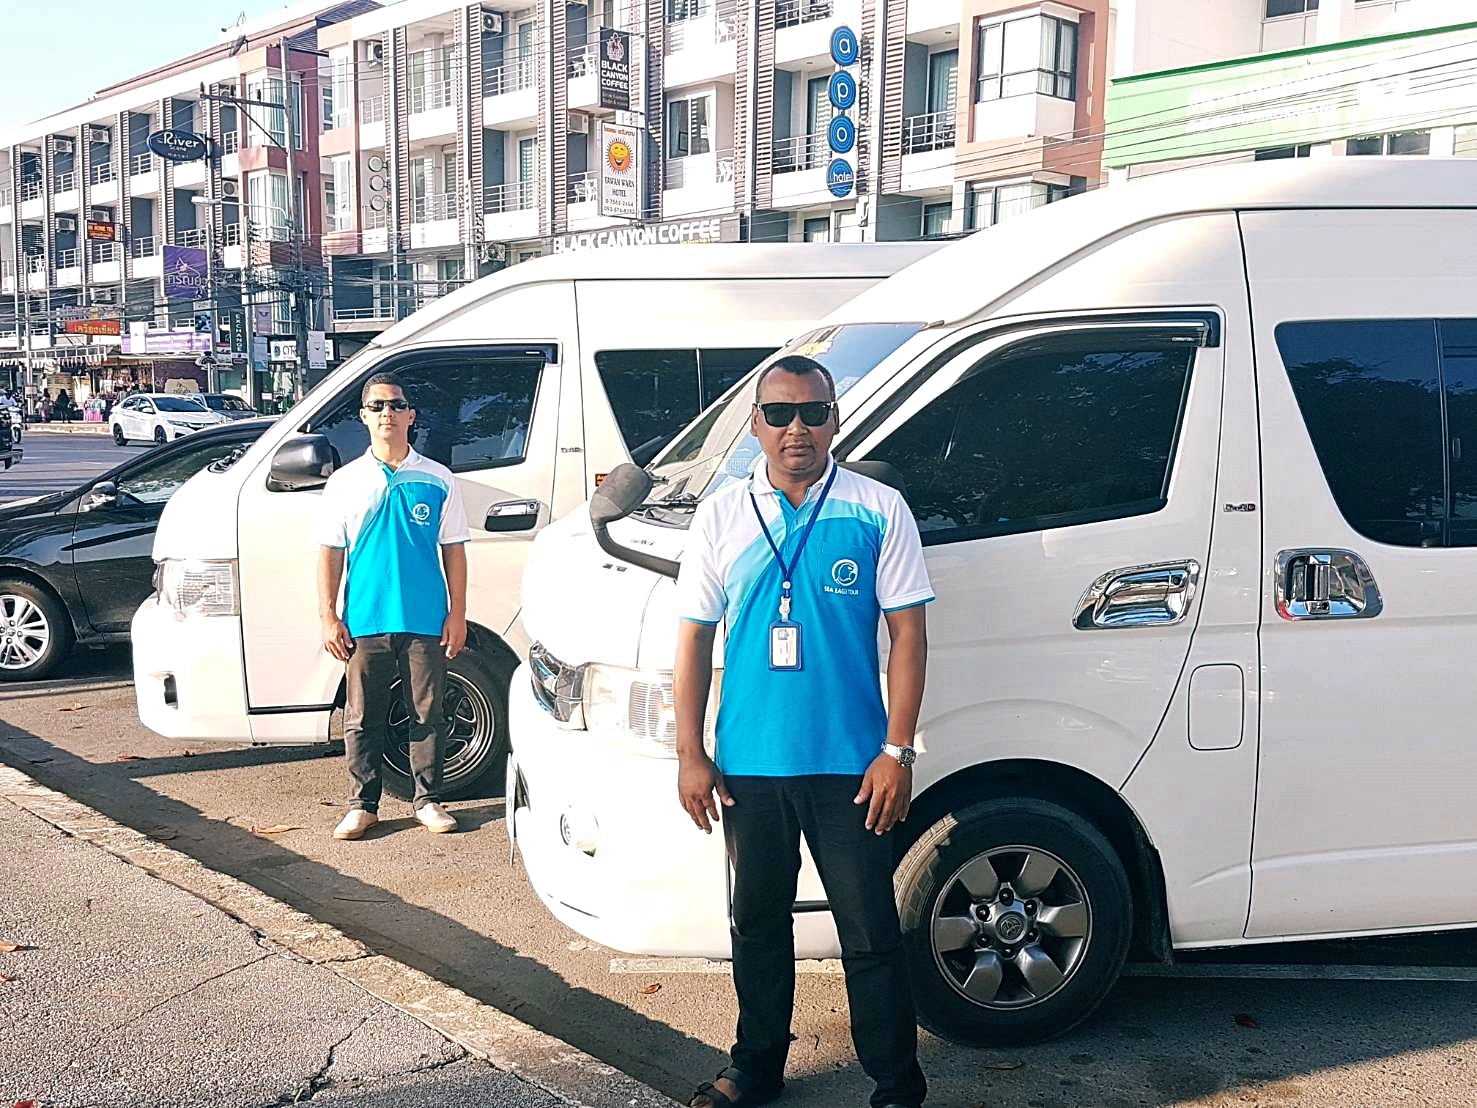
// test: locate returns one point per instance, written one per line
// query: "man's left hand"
(454, 635)
(887, 789)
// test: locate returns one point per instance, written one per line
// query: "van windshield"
(718, 448)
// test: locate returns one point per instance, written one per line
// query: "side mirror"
(101, 495)
(512, 515)
(621, 493)
(302, 462)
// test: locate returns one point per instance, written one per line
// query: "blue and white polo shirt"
(863, 558)
(393, 522)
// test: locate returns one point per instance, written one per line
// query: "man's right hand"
(336, 638)
(697, 780)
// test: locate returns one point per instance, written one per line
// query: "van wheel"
(1016, 916)
(118, 436)
(475, 703)
(35, 632)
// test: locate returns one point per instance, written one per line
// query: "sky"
(60, 52)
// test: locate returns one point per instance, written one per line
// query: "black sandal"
(749, 1094)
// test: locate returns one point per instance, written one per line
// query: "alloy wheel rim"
(471, 731)
(25, 632)
(1010, 927)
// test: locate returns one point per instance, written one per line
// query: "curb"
(551, 1064)
(64, 429)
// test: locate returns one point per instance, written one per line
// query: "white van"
(1193, 469)
(530, 385)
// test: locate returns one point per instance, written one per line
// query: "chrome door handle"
(1139, 596)
(1325, 584)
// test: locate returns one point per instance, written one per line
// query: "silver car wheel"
(471, 731)
(25, 632)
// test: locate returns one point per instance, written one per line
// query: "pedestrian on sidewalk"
(393, 534)
(804, 744)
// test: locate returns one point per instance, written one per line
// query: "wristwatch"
(905, 755)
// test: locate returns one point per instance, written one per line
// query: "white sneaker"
(353, 825)
(435, 818)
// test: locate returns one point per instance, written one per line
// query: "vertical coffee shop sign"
(841, 133)
(615, 69)
(184, 273)
(620, 171)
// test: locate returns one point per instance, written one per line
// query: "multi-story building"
(1232, 80)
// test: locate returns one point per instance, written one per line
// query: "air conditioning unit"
(98, 134)
(492, 22)
(66, 225)
(64, 144)
(230, 190)
(104, 296)
(374, 51)
(577, 123)
(100, 215)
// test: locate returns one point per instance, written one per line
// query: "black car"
(75, 565)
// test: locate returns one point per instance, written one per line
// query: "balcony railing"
(377, 311)
(584, 57)
(30, 190)
(103, 252)
(584, 188)
(192, 236)
(102, 173)
(233, 234)
(141, 163)
(335, 222)
(800, 152)
(372, 110)
(374, 220)
(7, 268)
(35, 264)
(698, 169)
(430, 96)
(230, 142)
(65, 182)
(792, 13)
(145, 247)
(934, 131)
(515, 196)
(5, 195)
(432, 207)
(706, 29)
(66, 259)
(514, 76)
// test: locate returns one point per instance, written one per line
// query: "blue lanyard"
(787, 571)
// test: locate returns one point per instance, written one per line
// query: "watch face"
(909, 756)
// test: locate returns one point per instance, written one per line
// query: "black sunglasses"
(813, 413)
(396, 405)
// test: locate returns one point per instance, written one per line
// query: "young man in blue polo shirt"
(395, 518)
(799, 561)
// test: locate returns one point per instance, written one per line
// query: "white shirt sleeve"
(902, 576)
(454, 516)
(700, 595)
(333, 523)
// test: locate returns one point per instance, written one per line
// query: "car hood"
(33, 506)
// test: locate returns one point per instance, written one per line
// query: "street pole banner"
(615, 69)
(620, 171)
(184, 273)
(317, 350)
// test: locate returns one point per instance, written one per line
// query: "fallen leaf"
(1243, 1020)
(5, 977)
(275, 829)
(655, 987)
(25, 1104)
(74, 708)
(129, 758)
(329, 803)
(1003, 1064)
(11, 948)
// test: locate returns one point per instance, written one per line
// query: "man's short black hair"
(800, 366)
(381, 379)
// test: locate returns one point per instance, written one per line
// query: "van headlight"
(202, 588)
(636, 708)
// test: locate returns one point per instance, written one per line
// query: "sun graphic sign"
(620, 171)
(619, 155)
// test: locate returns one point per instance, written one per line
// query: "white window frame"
(691, 136)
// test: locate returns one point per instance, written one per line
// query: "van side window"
(655, 393)
(1370, 395)
(1066, 430)
(471, 412)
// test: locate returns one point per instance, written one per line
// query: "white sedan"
(160, 417)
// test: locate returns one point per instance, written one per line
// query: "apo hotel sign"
(717, 229)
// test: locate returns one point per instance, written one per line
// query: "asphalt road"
(456, 907)
(60, 460)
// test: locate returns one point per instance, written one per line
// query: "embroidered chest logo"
(844, 572)
(421, 513)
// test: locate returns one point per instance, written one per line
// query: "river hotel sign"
(718, 229)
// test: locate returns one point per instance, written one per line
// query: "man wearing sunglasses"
(395, 520)
(799, 562)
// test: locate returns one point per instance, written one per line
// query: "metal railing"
(513, 76)
(5, 196)
(704, 29)
(933, 131)
(140, 164)
(792, 13)
(192, 236)
(432, 207)
(230, 142)
(377, 311)
(372, 110)
(233, 234)
(7, 267)
(584, 188)
(800, 152)
(334, 222)
(30, 190)
(102, 173)
(515, 196)
(66, 259)
(35, 264)
(430, 97)
(374, 220)
(65, 182)
(698, 169)
(103, 252)
(145, 247)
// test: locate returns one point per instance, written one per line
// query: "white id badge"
(784, 646)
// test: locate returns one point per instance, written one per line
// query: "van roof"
(970, 277)
(694, 261)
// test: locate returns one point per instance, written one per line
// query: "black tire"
(31, 621)
(476, 705)
(1089, 884)
(118, 437)
(160, 436)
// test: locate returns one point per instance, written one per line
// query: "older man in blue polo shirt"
(395, 518)
(800, 561)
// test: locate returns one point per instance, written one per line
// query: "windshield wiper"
(680, 501)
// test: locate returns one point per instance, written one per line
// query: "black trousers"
(762, 832)
(420, 663)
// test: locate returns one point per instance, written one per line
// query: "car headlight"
(636, 709)
(186, 424)
(201, 588)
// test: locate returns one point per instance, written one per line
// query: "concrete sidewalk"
(132, 991)
(78, 428)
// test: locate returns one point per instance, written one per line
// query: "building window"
(1276, 153)
(267, 126)
(678, 10)
(1397, 142)
(266, 198)
(338, 94)
(987, 205)
(337, 191)
(687, 127)
(1018, 57)
(1290, 7)
(816, 229)
(938, 219)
